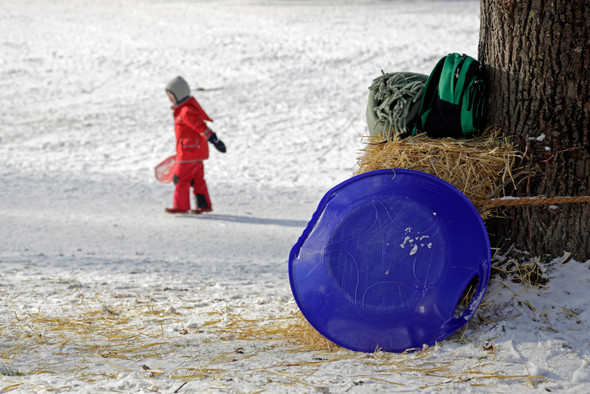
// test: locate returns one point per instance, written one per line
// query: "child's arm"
(197, 122)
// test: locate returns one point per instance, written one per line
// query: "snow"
(101, 290)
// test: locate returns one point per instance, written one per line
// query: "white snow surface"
(101, 290)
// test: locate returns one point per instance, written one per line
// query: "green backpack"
(453, 100)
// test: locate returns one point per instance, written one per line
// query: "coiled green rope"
(394, 101)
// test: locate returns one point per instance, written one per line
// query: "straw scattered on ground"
(102, 342)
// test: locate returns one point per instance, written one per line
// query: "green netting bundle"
(394, 102)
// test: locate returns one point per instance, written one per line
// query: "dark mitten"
(217, 143)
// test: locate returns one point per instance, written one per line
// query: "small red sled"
(163, 171)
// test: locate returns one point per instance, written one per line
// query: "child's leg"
(200, 187)
(183, 173)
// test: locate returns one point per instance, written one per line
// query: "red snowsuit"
(191, 149)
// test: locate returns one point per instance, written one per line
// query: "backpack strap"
(472, 110)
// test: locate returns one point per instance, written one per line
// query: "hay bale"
(478, 167)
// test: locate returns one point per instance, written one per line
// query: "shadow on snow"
(248, 220)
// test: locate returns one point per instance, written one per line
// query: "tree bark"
(536, 59)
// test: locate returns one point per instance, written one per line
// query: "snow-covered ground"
(101, 290)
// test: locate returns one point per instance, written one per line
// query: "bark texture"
(536, 58)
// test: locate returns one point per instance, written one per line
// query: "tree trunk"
(536, 57)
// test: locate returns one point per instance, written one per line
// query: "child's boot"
(202, 204)
(175, 210)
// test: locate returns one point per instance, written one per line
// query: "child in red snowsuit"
(192, 137)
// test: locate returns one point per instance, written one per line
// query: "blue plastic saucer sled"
(386, 259)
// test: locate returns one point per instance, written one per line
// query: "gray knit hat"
(179, 88)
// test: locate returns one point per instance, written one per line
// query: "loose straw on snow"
(119, 336)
